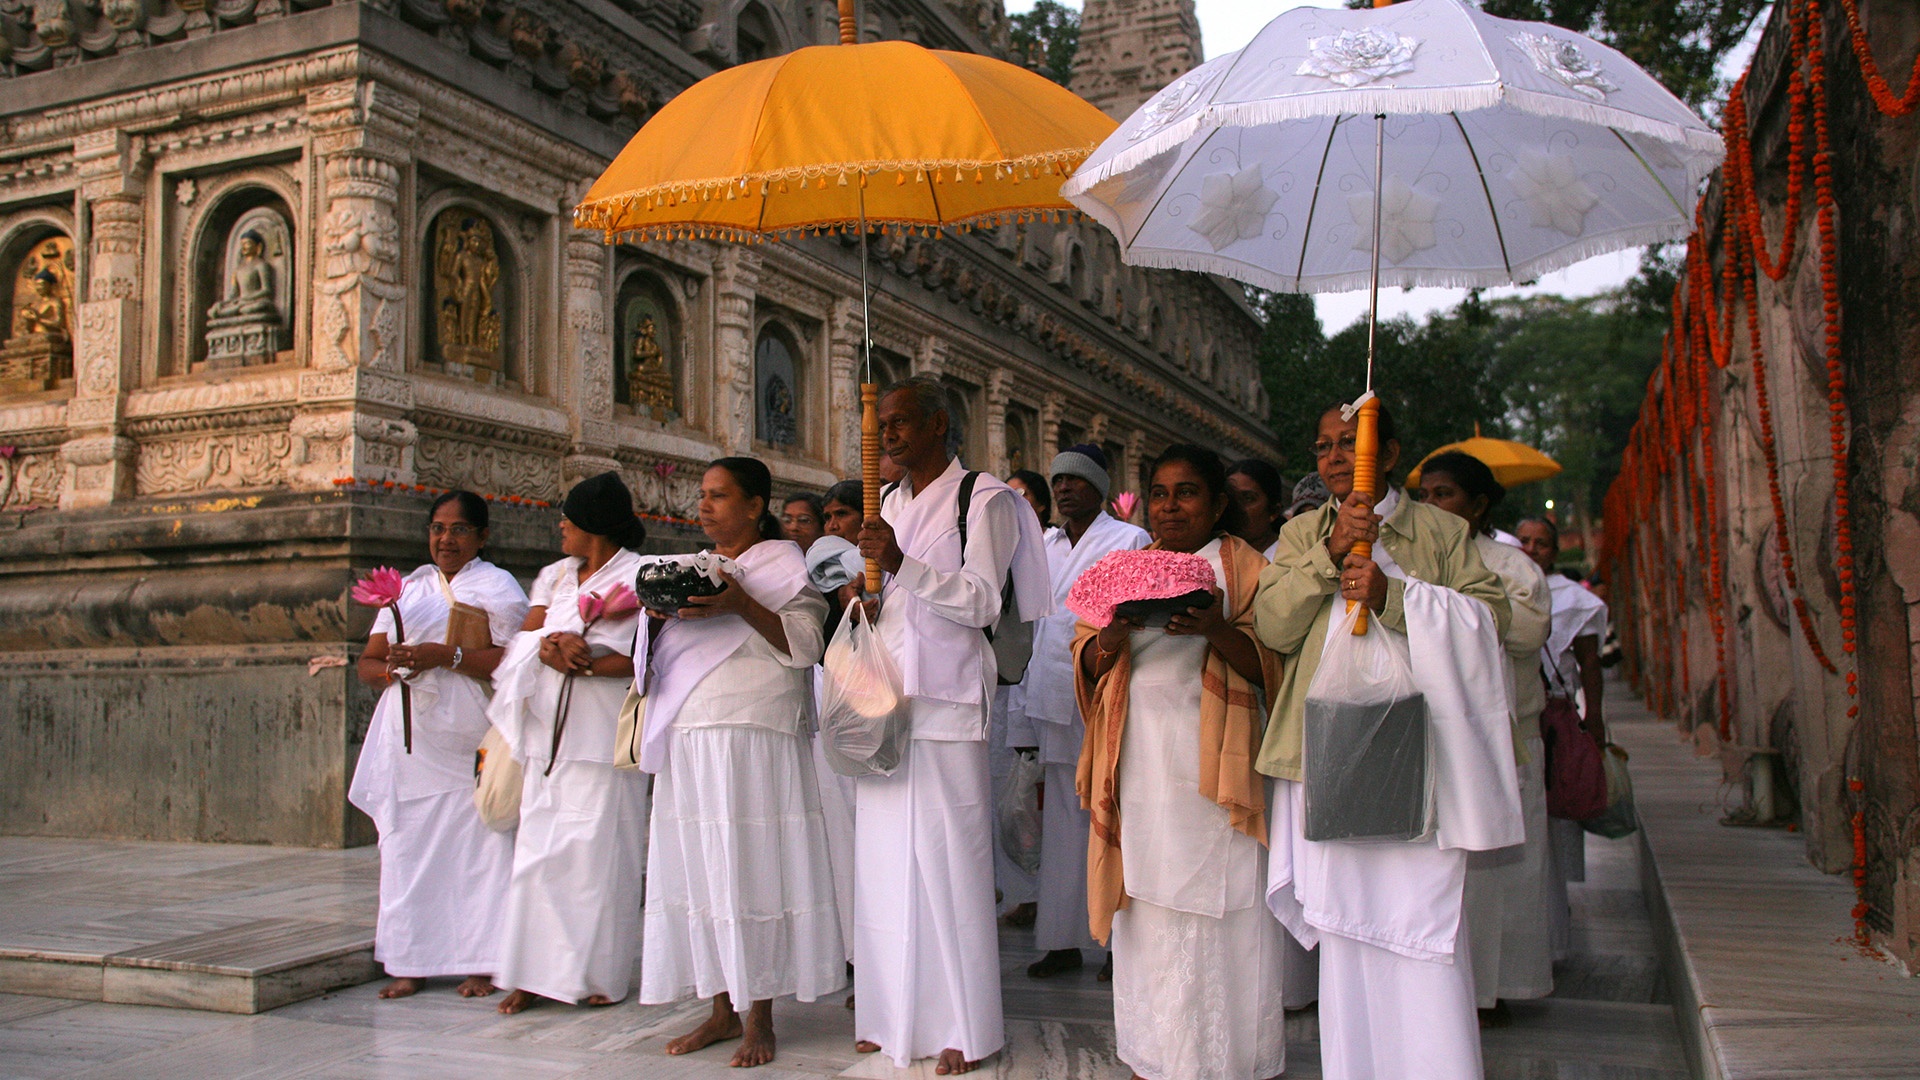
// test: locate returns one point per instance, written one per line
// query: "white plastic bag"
(1018, 814)
(863, 715)
(1367, 758)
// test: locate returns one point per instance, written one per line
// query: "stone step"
(249, 967)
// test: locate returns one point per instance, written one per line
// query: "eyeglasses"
(458, 532)
(1323, 448)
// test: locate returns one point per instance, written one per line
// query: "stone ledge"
(1756, 943)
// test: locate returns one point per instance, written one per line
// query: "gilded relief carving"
(466, 279)
(39, 352)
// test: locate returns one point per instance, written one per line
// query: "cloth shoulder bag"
(467, 626)
(496, 784)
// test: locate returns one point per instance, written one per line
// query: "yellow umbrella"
(1512, 463)
(836, 136)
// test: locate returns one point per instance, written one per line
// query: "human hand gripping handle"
(878, 546)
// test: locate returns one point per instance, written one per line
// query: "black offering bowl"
(668, 584)
(1156, 612)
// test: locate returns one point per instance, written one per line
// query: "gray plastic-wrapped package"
(1367, 756)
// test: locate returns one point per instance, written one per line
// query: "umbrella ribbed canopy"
(1511, 149)
(1512, 463)
(928, 137)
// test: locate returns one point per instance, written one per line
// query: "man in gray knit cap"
(1080, 486)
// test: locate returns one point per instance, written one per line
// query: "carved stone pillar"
(844, 330)
(1128, 479)
(351, 420)
(586, 374)
(736, 278)
(929, 356)
(1051, 410)
(99, 460)
(999, 394)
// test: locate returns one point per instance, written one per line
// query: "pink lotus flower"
(1124, 504)
(664, 469)
(381, 588)
(8, 451)
(618, 601)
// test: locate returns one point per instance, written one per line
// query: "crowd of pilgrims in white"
(675, 801)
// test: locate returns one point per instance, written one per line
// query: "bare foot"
(477, 986)
(598, 1000)
(399, 988)
(865, 1047)
(518, 1001)
(953, 1063)
(714, 1029)
(757, 1047)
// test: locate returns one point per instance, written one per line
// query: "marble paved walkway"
(1763, 941)
(1610, 1018)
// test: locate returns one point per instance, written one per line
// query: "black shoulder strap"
(966, 500)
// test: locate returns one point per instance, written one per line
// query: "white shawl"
(686, 651)
(525, 690)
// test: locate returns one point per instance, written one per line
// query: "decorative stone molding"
(998, 396)
(359, 303)
(843, 386)
(33, 479)
(98, 470)
(736, 278)
(662, 485)
(458, 463)
(587, 353)
(246, 459)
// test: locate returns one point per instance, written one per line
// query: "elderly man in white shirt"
(928, 981)
(1080, 483)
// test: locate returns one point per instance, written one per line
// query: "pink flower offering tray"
(1147, 584)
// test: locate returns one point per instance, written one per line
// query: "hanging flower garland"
(1882, 94)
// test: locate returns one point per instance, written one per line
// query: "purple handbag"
(1576, 776)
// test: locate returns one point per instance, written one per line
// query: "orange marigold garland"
(1883, 98)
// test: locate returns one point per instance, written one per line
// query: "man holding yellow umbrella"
(894, 136)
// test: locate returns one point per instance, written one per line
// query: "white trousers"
(928, 976)
(1061, 922)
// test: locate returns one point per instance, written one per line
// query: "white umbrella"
(1510, 149)
(1423, 143)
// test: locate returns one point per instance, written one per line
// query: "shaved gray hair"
(932, 396)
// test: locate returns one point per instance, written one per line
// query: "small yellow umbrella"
(843, 136)
(1512, 463)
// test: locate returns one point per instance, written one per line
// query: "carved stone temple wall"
(276, 269)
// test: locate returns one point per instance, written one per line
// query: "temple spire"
(1130, 49)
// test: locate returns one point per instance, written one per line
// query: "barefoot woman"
(443, 874)
(573, 918)
(740, 904)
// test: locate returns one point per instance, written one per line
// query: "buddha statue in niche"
(250, 284)
(466, 271)
(248, 325)
(45, 311)
(650, 378)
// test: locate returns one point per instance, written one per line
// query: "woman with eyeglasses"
(1396, 979)
(443, 873)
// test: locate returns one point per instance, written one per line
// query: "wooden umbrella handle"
(1366, 480)
(849, 30)
(870, 456)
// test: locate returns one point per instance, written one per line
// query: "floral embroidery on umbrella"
(1136, 186)
(1562, 61)
(1554, 191)
(1406, 220)
(1173, 102)
(381, 589)
(619, 601)
(1233, 207)
(1358, 57)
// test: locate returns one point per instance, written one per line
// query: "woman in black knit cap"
(573, 913)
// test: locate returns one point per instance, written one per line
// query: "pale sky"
(1226, 25)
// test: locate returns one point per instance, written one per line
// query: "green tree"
(1045, 39)
(1291, 358)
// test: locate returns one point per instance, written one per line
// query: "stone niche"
(36, 353)
(469, 308)
(244, 282)
(650, 352)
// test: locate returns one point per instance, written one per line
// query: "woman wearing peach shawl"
(1174, 718)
